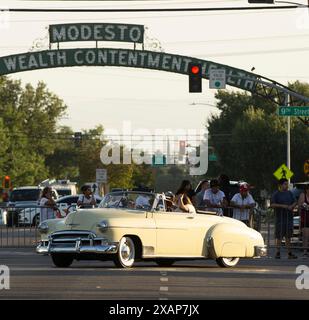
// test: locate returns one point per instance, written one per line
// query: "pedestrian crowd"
(216, 196)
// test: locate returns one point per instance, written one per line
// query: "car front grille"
(69, 238)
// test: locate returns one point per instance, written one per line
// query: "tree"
(29, 117)
(250, 138)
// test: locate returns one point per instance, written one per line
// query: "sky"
(274, 42)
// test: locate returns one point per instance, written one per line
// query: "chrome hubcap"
(127, 250)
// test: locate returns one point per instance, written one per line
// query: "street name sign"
(294, 111)
(283, 172)
(217, 79)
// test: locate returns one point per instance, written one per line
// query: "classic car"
(132, 226)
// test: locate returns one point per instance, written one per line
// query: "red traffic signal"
(195, 69)
(195, 77)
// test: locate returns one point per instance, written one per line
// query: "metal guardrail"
(18, 226)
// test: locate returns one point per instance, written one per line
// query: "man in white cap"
(242, 203)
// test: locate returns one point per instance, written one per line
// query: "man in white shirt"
(142, 201)
(215, 198)
(242, 203)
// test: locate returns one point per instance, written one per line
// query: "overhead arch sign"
(120, 58)
(134, 33)
(96, 32)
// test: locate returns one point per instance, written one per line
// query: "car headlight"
(102, 226)
(43, 227)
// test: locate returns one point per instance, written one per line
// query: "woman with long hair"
(47, 205)
(182, 199)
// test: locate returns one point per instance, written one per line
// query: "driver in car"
(142, 201)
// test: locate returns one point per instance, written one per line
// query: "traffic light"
(261, 1)
(77, 139)
(182, 148)
(6, 182)
(195, 77)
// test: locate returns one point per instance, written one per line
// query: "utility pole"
(288, 143)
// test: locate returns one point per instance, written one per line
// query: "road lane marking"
(164, 279)
(164, 289)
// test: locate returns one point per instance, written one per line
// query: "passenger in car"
(182, 199)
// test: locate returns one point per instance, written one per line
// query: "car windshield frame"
(121, 196)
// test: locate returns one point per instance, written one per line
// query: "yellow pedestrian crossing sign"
(283, 172)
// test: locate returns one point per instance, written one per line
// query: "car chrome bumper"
(47, 247)
(260, 251)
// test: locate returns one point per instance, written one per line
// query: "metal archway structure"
(241, 79)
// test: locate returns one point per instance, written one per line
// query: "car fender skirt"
(232, 240)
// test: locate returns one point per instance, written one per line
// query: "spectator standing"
(86, 199)
(224, 184)
(303, 208)
(283, 202)
(242, 203)
(200, 203)
(215, 198)
(47, 204)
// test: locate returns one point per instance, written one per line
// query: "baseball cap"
(244, 187)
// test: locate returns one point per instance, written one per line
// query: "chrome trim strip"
(109, 248)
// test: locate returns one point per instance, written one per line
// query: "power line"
(127, 10)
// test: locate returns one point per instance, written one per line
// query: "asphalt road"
(34, 277)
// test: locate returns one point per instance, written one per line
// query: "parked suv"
(24, 197)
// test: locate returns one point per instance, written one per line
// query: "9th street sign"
(293, 111)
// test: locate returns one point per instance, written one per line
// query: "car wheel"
(165, 262)
(125, 256)
(36, 220)
(227, 262)
(61, 260)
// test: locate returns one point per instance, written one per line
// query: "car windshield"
(25, 195)
(128, 200)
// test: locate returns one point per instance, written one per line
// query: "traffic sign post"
(283, 172)
(101, 175)
(101, 180)
(217, 79)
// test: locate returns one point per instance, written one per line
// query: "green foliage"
(250, 138)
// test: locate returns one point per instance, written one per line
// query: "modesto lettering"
(96, 32)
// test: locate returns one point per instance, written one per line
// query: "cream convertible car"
(131, 226)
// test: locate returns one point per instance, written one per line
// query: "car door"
(175, 234)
